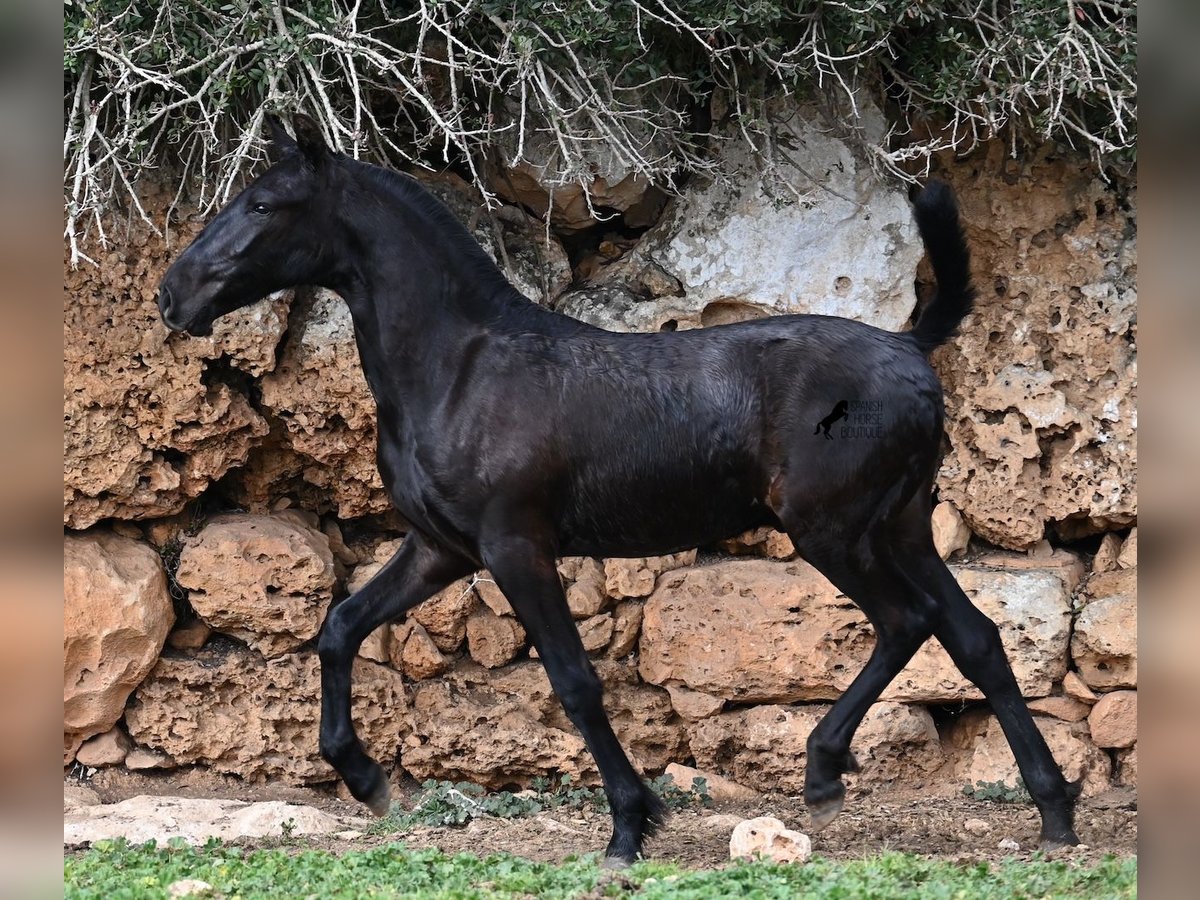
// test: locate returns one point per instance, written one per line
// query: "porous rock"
(1041, 382)
(1104, 645)
(266, 580)
(755, 631)
(636, 577)
(493, 640)
(236, 712)
(896, 743)
(950, 533)
(767, 838)
(979, 751)
(116, 615)
(1113, 720)
(146, 426)
(719, 789)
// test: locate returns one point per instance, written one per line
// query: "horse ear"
(281, 142)
(310, 140)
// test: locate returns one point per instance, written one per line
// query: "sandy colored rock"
(108, 749)
(1041, 383)
(360, 575)
(141, 819)
(627, 626)
(1104, 646)
(145, 426)
(1127, 766)
(950, 533)
(266, 580)
(1113, 720)
(1127, 559)
(585, 595)
(189, 887)
(763, 541)
(767, 838)
(636, 577)
(693, 705)
(754, 631)
(596, 632)
(140, 759)
(235, 712)
(489, 592)
(445, 614)
(377, 645)
(116, 615)
(76, 795)
(896, 744)
(493, 640)
(1074, 687)
(719, 789)
(1067, 564)
(415, 653)
(191, 636)
(1105, 559)
(1066, 708)
(978, 751)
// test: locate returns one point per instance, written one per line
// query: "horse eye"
(261, 208)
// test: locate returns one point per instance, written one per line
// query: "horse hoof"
(1057, 843)
(615, 863)
(825, 812)
(380, 801)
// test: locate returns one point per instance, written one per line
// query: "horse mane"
(408, 191)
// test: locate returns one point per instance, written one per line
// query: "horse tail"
(936, 212)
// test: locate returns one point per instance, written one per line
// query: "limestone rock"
(445, 614)
(754, 631)
(320, 396)
(1104, 646)
(950, 533)
(140, 758)
(720, 789)
(160, 819)
(1041, 383)
(766, 837)
(585, 595)
(493, 640)
(1127, 766)
(489, 592)
(116, 616)
(76, 796)
(415, 653)
(1066, 708)
(360, 575)
(760, 542)
(266, 580)
(980, 752)
(1113, 720)
(191, 636)
(1067, 564)
(750, 247)
(596, 632)
(1074, 687)
(1105, 559)
(108, 749)
(627, 625)
(236, 712)
(896, 743)
(693, 705)
(506, 726)
(377, 645)
(146, 427)
(1127, 559)
(636, 577)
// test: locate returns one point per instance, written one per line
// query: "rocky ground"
(952, 828)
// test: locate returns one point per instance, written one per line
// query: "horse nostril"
(164, 300)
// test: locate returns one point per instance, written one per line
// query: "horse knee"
(580, 691)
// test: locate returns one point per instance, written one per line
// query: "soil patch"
(870, 824)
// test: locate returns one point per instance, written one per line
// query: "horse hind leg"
(903, 618)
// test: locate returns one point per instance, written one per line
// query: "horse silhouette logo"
(840, 411)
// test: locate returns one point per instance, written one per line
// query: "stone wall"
(221, 493)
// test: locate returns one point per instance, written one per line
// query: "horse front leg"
(416, 572)
(525, 571)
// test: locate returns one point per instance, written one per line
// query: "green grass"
(116, 869)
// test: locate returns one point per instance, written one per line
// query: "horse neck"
(419, 287)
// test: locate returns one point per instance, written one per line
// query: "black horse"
(510, 435)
